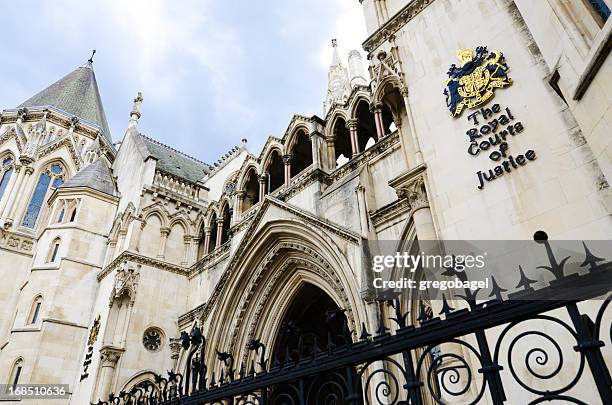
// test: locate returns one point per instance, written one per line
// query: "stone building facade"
(109, 251)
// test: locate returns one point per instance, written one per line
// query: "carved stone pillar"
(287, 162)
(186, 250)
(109, 357)
(411, 186)
(207, 232)
(263, 179)
(219, 232)
(8, 192)
(162, 243)
(363, 210)
(240, 194)
(175, 350)
(351, 125)
(193, 250)
(121, 240)
(110, 252)
(411, 127)
(137, 227)
(11, 205)
(315, 141)
(331, 152)
(377, 111)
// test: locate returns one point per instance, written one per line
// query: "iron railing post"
(490, 369)
(589, 346)
(413, 385)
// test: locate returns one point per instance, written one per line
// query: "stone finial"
(135, 114)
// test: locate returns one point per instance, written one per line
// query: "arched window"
(342, 143)
(213, 234)
(53, 250)
(227, 218)
(60, 218)
(251, 189)
(53, 176)
(73, 215)
(35, 310)
(15, 372)
(366, 126)
(276, 171)
(301, 152)
(5, 172)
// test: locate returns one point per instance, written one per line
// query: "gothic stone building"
(139, 242)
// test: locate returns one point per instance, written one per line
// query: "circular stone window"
(152, 339)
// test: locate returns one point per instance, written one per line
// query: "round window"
(153, 339)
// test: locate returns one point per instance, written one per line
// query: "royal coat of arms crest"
(473, 83)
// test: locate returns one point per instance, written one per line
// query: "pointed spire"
(76, 94)
(335, 58)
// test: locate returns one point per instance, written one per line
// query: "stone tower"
(56, 210)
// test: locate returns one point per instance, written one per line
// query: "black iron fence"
(493, 350)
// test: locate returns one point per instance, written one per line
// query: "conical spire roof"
(96, 176)
(76, 93)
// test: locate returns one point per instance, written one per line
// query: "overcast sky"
(211, 72)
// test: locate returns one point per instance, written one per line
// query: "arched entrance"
(312, 324)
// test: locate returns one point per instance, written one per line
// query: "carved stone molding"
(412, 187)
(110, 355)
(15, 242)
(175, 348)
(301, 256)
(126, 282)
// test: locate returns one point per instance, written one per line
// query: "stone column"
(9, 188)
(109, 357)
(162, 243)
(186, 250)
(121, 239)
(331, 152)
(416, 194)
(363, 210)
(175, 350)
(287, 162)
(12, 205)
(219, 231)
(351, 125)
(239, 204)
(413, 134)
(137, 227)
(315, 141)
(9, 196)
(262, 186)
(193, 250)
(207, 232)
(377, 111)
(110, 252)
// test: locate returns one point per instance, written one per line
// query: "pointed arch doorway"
(313, 323)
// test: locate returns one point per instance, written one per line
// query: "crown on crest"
(465, 55)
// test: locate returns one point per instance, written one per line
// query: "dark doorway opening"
(312, 324)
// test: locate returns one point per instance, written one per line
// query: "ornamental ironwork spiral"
(539, 357)
(327, 389)
(386, 390)
(446, 371)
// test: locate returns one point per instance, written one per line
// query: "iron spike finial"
(525, 282)
(90, 60)
(496, 290)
